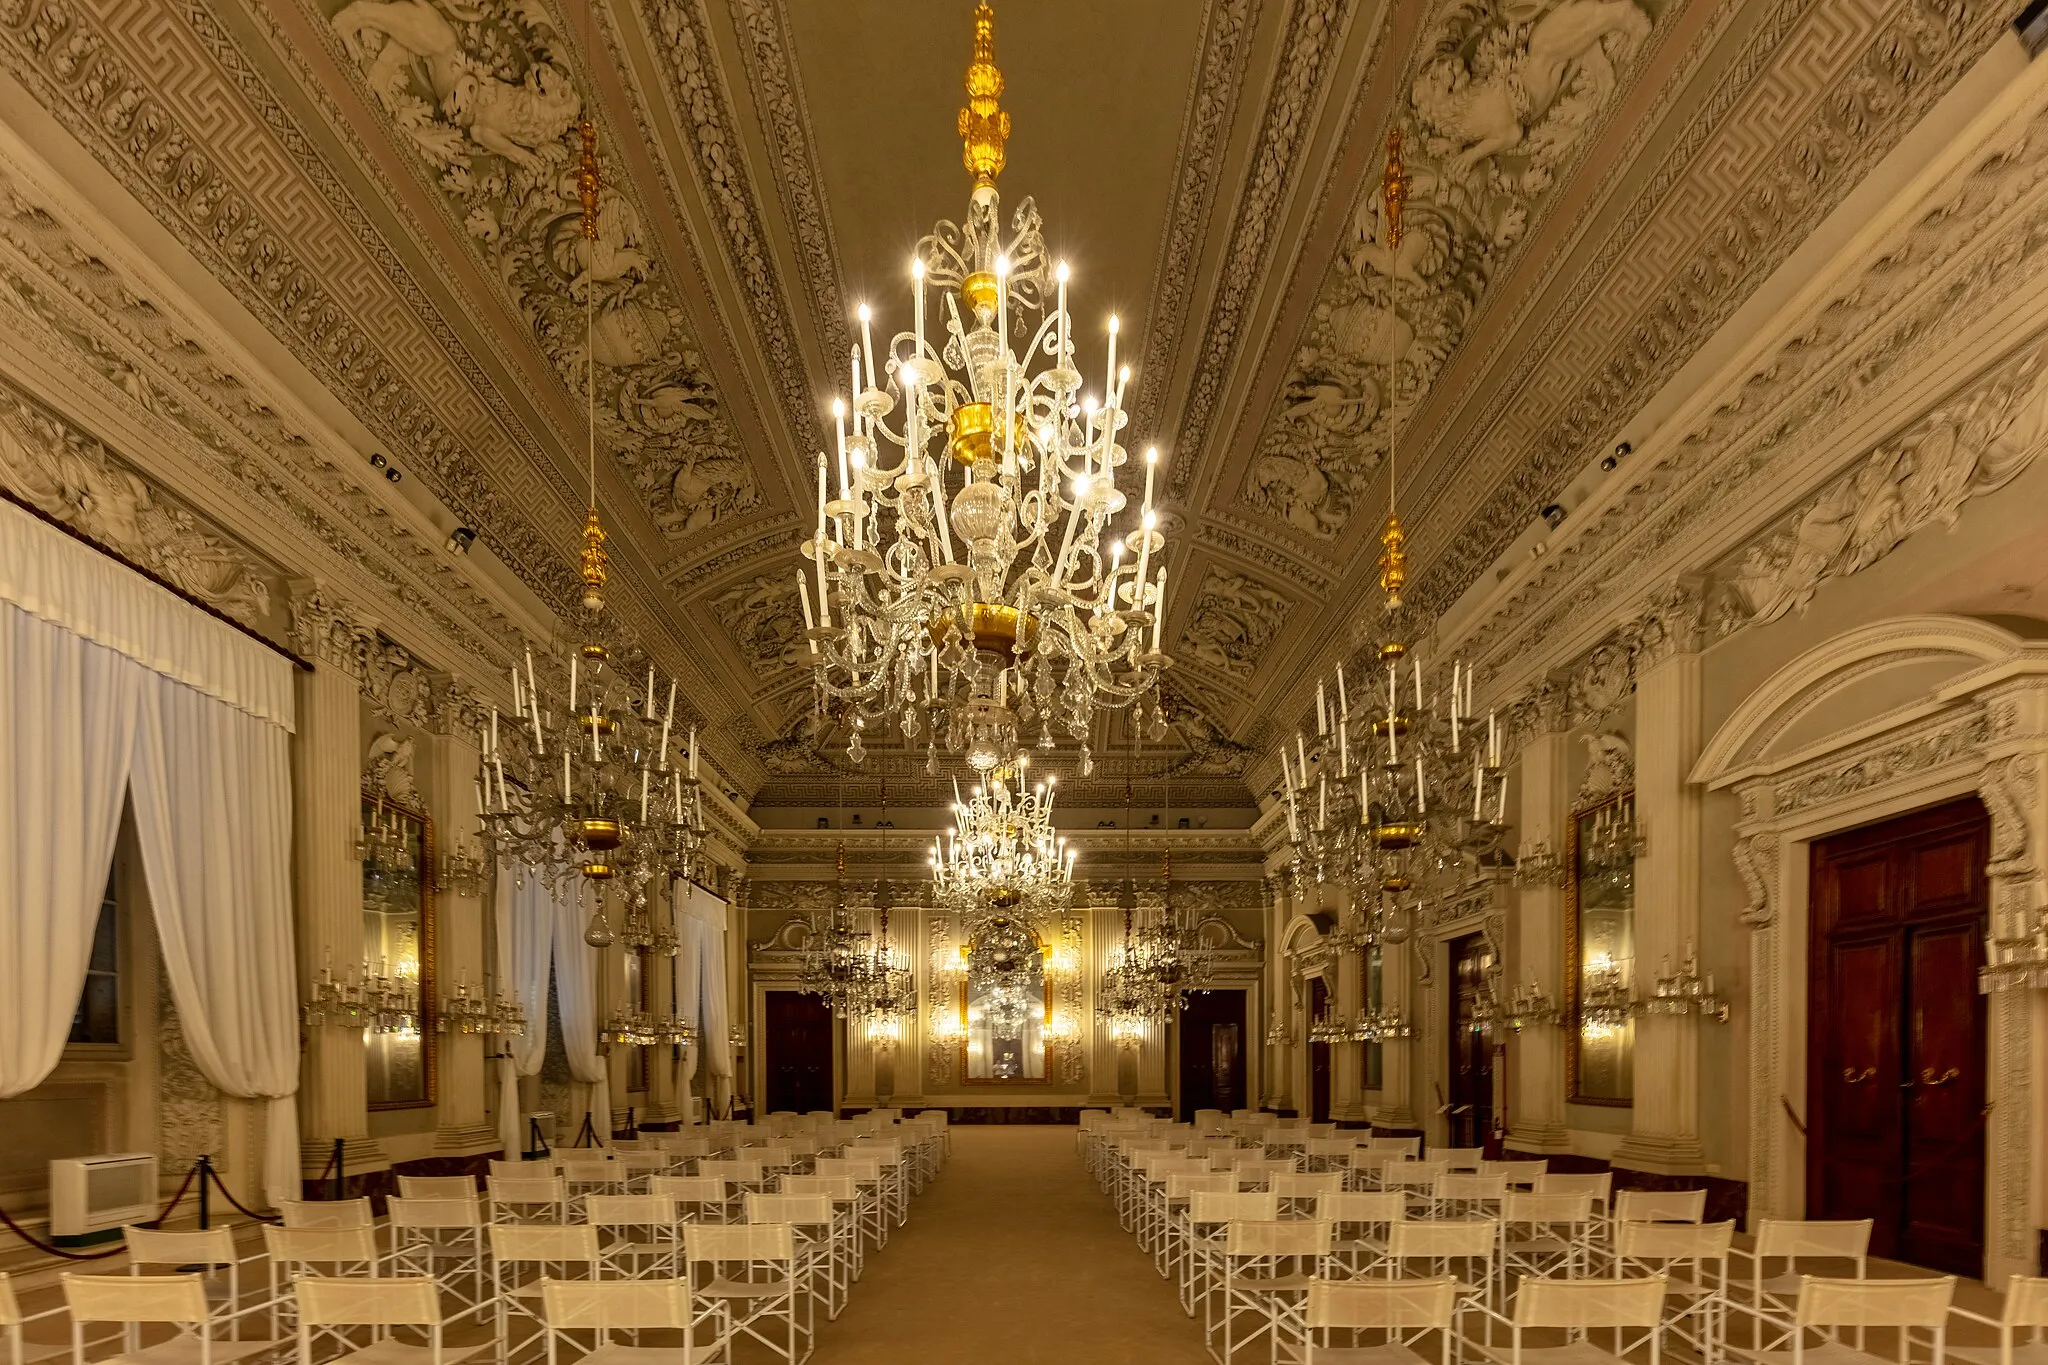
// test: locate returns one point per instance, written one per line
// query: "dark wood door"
(799, 1052)
(1471, 1069)
(1896, 1034)
(1318, 1055)
(1212, 1052)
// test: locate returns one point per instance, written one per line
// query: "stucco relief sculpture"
(1232, 623)
(479, 92)
(764, 619)
(1506, 88)
(1972, 445)
(77, 480)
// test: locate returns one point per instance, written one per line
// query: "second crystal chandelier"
(965, 580)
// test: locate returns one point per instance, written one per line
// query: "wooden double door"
(1896, 1034)
(799, 1052)
(1212, 1052)
(1470, 1110)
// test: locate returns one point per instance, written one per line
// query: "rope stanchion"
(50, 1249)
(229, 1195)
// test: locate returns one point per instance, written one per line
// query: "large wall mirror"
(1005, 999)
(1600, 943)
(398, 954)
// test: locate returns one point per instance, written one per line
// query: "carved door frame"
(1981, 731)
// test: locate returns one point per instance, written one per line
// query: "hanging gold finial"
(983, 125)
(1393, 560)
(1394, 187)
(594, 561)
(589, 179)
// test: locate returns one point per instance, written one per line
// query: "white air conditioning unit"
(93, 1197)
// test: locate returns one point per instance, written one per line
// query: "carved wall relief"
(1232, 622)
(481, 93)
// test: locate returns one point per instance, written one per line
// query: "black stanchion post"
(632, 1123)
(340, 1168)
(205, 1192)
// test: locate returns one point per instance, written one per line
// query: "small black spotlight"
(1611, 461)
(460, 539)
(1554, 515)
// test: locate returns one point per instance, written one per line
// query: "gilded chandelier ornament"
(967, 580)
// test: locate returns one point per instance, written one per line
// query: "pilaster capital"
(328, 629)
(1672, 623)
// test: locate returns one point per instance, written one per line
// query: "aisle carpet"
(1012, 1257)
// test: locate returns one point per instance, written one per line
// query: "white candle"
(867, 345)
(479, 785)
(1393, 742)
(1145, 525)
(1343, 750)
(839, 429)
(575, 659)
(1109, 388)
(1343, 699)
(1151, 464)
(1418, 684)
(518, 708)
(1500, 814)
(693, 753)
(540, 745)
(1322, 712)
(643, 794)
(1159, 612)
(1301, 755)
(1478, 788)
(1323, 802)
(494, 729)
(1421, 795)
(917, 304)
(1492, 742)
(566, 794)
(650, 693)
(504, 802)
(1061, 275)
(596, 754)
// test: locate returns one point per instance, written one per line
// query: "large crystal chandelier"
(859, 974)
(1003, 855)
(1136, 991)
(1381, 800)
(967, 581)
(586, 777)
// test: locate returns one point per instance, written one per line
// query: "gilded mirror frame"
(429, 950)
(1574, 959)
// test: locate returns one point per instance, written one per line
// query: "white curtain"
(688, 992)
(67, 722)
(712, 983)
(576, 968)
(213, 818)
(525, 907)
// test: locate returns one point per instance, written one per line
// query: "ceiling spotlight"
(460, 539)
(377, 460)
(1607, 465)
(1554, 515)
(393, 475)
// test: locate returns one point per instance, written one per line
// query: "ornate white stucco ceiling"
(381, 187)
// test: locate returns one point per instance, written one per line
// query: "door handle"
(1851, 1076)
(1931, 1081)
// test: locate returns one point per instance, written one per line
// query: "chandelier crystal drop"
(966, 582)
(586, 776)
(1003, 855)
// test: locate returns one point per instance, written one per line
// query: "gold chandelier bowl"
(1399, 834)
(991, 626)
(979, 291)
(599, 833)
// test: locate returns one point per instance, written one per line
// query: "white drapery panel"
(67, 723)
(688, 992)
(576, 968)
(525, 906)
(213, 819)
(56, 578)
(713, 980)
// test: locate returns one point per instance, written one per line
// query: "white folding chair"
(1466, 1194)
(524, 1257)
(437, 1187)
(329, 1308)
(326, 1213)
(1660, 1206)
(1267, 1269)
(810, 1218)
(1360, 1219)
(2025, 1309)
(1600, 1185)
(1827, 1307)
(1547, 1234)
(528, 1198)
(1459, 1158)
(1466, 1249)
(293, 1252)
(1520, 1174)
(699, 1198)
(135, 1301)
(603, 1307)
(1409, 1148)
(1299, 1190)
(1631, 1310)
(207, 1250)
(638, 1234)
(20, 1350)
(443, 1238)
(1799, 1242)
(1693, 1259)
(582, 1176)
(1382, 1321)
(742, 1281)
(1210, 1214)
